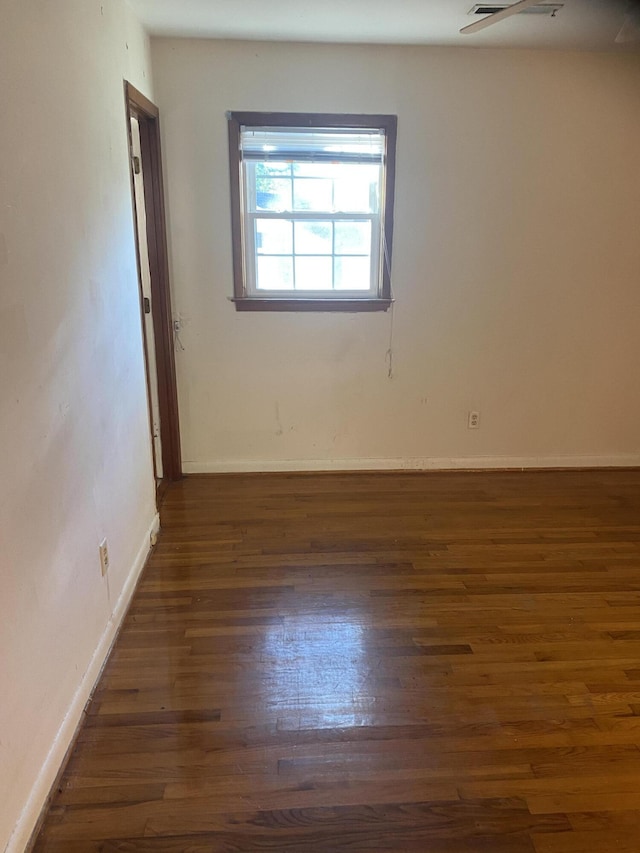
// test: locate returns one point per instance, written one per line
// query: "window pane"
(314, 238)
(312, 194)
(273, 194)
(274, 237)
(273, 170)
(274, 273)
(317, 170)
(357, 189)
(353, 238)
(313, 273)
(353, 273)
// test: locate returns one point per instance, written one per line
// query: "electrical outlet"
(473, 421)
(104, 557)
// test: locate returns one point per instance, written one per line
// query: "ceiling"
(581, 24)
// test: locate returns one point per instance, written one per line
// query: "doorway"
(153, 277)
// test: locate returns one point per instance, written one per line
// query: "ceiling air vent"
(540, 9)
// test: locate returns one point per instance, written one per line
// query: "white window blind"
(316, 145)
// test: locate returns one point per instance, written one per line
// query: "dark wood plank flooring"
(417, 663)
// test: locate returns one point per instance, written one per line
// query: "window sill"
(251, 303)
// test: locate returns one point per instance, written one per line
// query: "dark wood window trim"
(247, 302)
(270, 303)
(148, 115)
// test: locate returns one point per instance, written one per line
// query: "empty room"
(320, 426)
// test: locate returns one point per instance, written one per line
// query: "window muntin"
(312, 207)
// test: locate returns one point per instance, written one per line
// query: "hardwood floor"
(416, 663)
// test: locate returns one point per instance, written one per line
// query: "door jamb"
(148, 116)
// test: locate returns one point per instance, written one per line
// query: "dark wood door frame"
(148, 118)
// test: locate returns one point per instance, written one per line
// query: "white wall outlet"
(104, 557)
(473, 421)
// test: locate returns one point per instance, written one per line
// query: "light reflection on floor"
(319, 672)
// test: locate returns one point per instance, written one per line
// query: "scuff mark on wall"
(279, 429)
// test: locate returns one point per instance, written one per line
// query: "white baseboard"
(419, 463)
(51, 765)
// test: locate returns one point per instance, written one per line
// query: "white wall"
(515, 268)
(74, 434)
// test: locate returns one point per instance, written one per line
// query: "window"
(312, 210)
